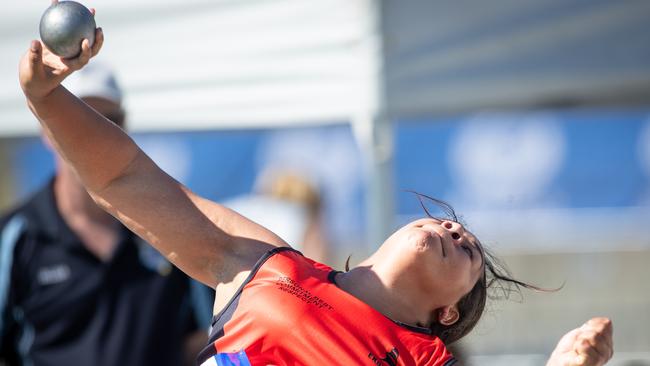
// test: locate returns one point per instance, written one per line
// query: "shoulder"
(284, 262)
(280, 259)
(12, 227)
(18, 226)
(15, 224)
(11, 214)
(291, 260)
(28, 209)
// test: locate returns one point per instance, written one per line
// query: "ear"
(448, 315)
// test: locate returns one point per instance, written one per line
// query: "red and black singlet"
(289, 311)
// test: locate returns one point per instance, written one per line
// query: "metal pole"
(374, 133)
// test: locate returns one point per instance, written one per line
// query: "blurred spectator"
(5, 184)
(78, 288)
(290, 205)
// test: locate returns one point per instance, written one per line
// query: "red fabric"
(291, 314)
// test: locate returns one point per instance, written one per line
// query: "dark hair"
(496, 283)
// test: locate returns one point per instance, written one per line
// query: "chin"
(421, 240)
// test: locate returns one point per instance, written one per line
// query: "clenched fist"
(589, 345)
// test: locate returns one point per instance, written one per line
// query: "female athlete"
(426, 285)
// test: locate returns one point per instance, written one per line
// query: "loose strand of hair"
(446, 208)
(347, 263)
(499, 276)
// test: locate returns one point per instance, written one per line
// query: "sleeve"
(10, 232)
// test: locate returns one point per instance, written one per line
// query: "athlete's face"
(446, 260)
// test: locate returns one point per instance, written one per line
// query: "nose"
(457, 230)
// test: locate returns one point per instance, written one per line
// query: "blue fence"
(496, 161)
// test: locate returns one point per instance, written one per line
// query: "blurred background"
(532, 118)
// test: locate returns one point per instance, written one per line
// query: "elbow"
(109, 175)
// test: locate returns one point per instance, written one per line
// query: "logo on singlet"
(292, 287)
(390, 359)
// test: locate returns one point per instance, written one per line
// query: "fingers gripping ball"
(64, 26)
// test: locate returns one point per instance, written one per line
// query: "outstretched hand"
(41, 71)
(589, 345)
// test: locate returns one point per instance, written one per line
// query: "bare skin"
(590, 344)
(417, 276)
(98, 231)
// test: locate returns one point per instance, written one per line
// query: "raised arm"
(207, 241)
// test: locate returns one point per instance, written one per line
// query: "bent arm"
(207, 241)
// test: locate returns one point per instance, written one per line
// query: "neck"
(382, 291)
(97, 230)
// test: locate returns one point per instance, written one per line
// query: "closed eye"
(469, 251)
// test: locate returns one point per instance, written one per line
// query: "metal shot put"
(63, 27)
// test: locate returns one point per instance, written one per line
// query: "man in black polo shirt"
(78, 288)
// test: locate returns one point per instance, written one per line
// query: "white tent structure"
(227, 64)
(206, 64)
(218, 64)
